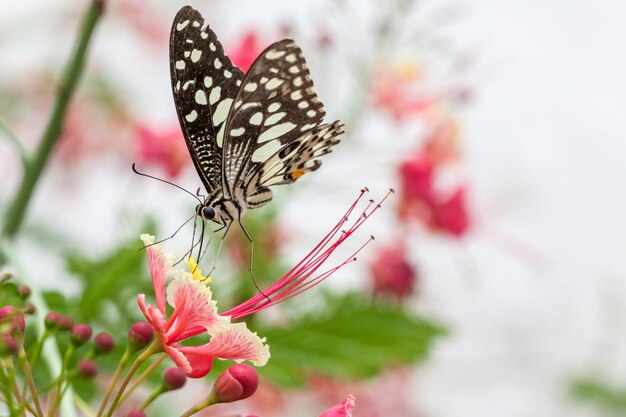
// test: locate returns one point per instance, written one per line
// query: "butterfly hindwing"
(205, 84)
(275, 106)
(291, 162)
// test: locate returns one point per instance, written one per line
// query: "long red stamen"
(301, 277)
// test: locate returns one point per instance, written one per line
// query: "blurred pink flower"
(163, 147)
(343, 409)
(451, 213)
(416, 177)
(395, 91)
(194, 312)
(392, 273)
(246, 51)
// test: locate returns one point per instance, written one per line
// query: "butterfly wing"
(291, 162)
(275, 107)
(205, 84)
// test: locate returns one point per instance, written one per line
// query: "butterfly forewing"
(275, 106)
(205, 84)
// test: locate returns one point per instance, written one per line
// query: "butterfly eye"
(208, 213)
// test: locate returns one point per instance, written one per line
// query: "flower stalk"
(54, 128)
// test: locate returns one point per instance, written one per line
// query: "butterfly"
(245, 132)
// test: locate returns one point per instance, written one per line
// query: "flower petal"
(154, 316)
(194, 308)
(343, 409)
(160, 266)
(236, 343)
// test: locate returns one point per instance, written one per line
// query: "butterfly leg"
(250, 270)
(219, 248)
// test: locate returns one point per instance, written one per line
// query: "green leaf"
(352, 338)
(600, 394)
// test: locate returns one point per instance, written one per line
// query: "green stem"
(28, 375)
(143, 376)
(152, 397)
(155, 347)
(54, 128)
(58, 392)
(15, 142)
(208, 401)
(116, 377)
(5, 382)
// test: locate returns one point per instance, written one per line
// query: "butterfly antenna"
(250, 270)
(165, 181)
(172, 236)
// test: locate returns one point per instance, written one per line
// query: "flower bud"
(24, 291)
(5, 277)
(174, 378)
(87, 368)
(65, 323)
(29, 309)
(80, 334)
(140, 335)
(236, 383)
(136, 413)
(104, 343)
(8, 344)
(14, 316)
(51, 321)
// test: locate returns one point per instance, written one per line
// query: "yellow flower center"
(196, 272)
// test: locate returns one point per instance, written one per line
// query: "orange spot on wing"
(297, 174)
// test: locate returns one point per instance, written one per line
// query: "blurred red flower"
(450, 214)
(163, 147)
(392, 273)
(246, 51)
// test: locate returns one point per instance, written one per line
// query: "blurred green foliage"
(595, 392)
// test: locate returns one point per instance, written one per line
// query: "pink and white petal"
(193, 308)
(236, 343)
(153, 315)
(200, 365)
(343, 409)
(160, 265)
(178, 357)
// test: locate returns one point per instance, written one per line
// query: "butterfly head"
(207, 213)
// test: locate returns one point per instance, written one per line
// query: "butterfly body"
(245, 132)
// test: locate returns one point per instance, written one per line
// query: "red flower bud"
(140, 335)
(51, 320)
(87, 368)
(8, 344)
(65, 323)
(29, 308)
(14, 316)
(80, 334)
(236, 383)
(174, 378)
(136, 413)
(104, 343)
(24, 291)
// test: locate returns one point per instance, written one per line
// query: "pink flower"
(343, 409)
(164, 147)
(451, 214)
(194, 312)
(244, 54)
(304, 275)
(392, 273)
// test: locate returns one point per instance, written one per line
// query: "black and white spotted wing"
(245, 133)
(204, 83)
(275, 107)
